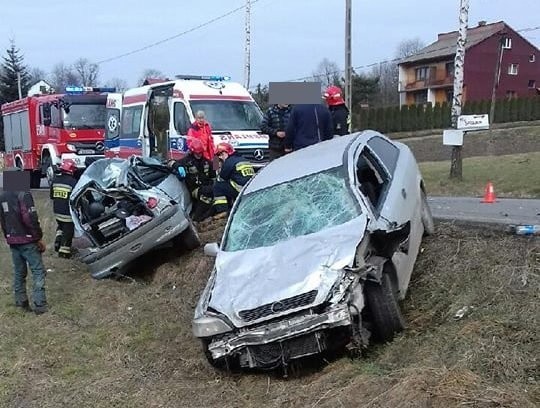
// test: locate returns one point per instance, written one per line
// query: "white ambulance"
(155, 118)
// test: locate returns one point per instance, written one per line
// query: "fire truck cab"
(40, 131)
(154, 119)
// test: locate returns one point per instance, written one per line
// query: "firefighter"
(199, 176)
(340, 112)
(235, 172)
(60, 192)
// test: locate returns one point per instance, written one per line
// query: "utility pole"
(496, 80)
(19, 84)
(456, 160)
(247, 67)
(348, 57)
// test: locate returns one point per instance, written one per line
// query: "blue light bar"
(204, 77)
(74, 90)
(78, 90)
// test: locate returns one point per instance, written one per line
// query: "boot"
(24, 305)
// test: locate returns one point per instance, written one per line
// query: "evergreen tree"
(437, 116)
(405, 126)
(13, 64)
(428, 116)
(413, 116)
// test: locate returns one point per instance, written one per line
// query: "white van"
(155, 118)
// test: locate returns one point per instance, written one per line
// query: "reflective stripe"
(204, 199)
(59, 233)
(220, 200)
(62, 217)
(65, 250)
(245, 168)
(195, 192)
(236, 186)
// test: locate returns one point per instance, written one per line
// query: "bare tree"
(61, 76)
(387, 72)
(118, 83)
(36, 75)
(150, 73)
(87, 72)
(328, 73)
(409, 47)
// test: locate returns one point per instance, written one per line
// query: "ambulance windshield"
(229, 115)
(85, 116)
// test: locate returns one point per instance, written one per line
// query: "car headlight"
(207, 326)
(71, 147)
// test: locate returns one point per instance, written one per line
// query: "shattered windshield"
(292, 209)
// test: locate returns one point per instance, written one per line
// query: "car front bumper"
(283, 330)
(102, 262)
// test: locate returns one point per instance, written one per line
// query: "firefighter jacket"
(204, 134)
(275, 120)
(19, 219)
(60, 193)
(236, 170)
(341, 119)
(199, 172)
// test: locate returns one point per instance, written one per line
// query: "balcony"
(429, 82)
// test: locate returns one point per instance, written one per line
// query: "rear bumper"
(102, 262)
(283, 330)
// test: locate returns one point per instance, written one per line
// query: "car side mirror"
(211, 249)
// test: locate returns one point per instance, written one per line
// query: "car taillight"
(152, 202)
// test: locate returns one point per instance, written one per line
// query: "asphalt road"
(504, 211)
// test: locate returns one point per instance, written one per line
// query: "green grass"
(516, 175)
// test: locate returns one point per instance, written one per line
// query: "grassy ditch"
(128, 342)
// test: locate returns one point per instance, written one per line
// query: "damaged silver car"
(317, 253)
(123, 209)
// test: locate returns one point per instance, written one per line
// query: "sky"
(288, 37)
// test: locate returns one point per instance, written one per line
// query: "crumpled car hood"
(249, 279)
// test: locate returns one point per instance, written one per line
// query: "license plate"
(86, 151)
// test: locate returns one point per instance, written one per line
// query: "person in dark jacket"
(60, 192)
(274, 124)
(338, 109)
(199, 176)
(23, 233)
(234, 174)
(308, 124)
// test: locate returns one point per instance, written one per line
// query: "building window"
(420, 97)
(532, 83)
(532, 58)
(511, 94)
(449, 69)
(513, 69)
(507, 43)
(421, 73)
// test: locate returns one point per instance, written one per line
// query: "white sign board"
(453, 137)
(473, 122)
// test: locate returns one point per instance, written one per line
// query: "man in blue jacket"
(308, 124)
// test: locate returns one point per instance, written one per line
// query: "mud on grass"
(128, 342)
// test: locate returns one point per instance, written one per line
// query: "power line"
(341, 71)
(176, 35)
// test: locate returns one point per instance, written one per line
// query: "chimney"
(482, 23)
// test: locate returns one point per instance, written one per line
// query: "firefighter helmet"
(68, 166)
(224, 147)
(333, 96)
(195, 146)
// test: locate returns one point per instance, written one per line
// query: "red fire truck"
(40, 131)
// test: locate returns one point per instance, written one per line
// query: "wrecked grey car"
(124, 208)
(317, 252)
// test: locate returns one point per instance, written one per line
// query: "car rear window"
(292, 209)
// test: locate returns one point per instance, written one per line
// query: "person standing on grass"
(23, 234)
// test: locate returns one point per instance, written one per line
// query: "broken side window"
(291, 209)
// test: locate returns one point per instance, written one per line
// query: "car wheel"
(385, 313)
(190, 238)
(427, 217)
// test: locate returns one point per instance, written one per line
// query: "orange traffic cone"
(489, 194)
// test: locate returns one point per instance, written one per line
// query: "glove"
(181, 172)
(41, 246)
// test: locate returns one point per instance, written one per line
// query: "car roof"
(309, 160)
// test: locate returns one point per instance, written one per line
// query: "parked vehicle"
(317, 252)
(124, 208)
(40, 131)
(154, 119)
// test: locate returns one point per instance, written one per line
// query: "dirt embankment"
(128, 342)
(498, 142)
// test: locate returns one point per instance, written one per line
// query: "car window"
(386, 151)
(292, 209)
(131, 122)
(181, 118)
(372, 178)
